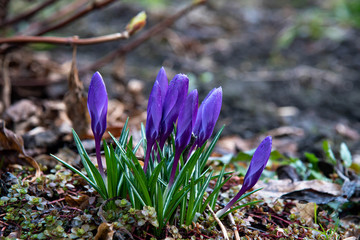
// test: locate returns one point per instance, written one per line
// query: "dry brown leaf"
(233, 144)
(286, 130)
(81, 202)
(105, 232)
(12, 150)
(347, 132)
(115, 117)
(306, 211)
(21, 110)
(274, 189)
(76, 101)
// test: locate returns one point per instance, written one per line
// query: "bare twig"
(28, 14)
(64, 11)
(95, 5)
(144, 37)
(233, 225)
(223, 229)
(65, 40)
(6, 92)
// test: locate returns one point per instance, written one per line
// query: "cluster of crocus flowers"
(173, 103)
(97, 105)
(170, 103)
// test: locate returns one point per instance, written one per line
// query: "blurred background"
(290, 69)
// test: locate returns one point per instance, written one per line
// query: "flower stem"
(232, 202)
(98, 157)
(174, 167)
(147, 157)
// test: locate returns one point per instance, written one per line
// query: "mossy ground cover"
(60, 205)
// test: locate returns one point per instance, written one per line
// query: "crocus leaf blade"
(345, 155)
(81, 175)
(139, 175)
(200, 197)
(238, 207)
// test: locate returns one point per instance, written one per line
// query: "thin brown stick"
(65, 40)
(144, 37)
(28, 14)
(222, 227)
(65, 11)
(6, 91)
(95, 5)
(233, 225)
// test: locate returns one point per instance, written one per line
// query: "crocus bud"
(152, 120)
(257, 165)
(164, 83)
(186, 121)
(97, 105)
(174, 100)
(207, 116)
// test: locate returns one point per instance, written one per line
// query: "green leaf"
(241, 206)
(328, 151)
(174, 203)
(83, 153)
(135, 191)
(242, 156)
(91, 170)
(216, 193)
(137, 171)
(199, 199)
(179, 180)
(213, 196)
(312, 158)
(191, 203)
(345, 155)
(275, 155)
(154, 176)
(158, 202)
(123, 139)
(113, 171)
(81, 175)
(207, 153)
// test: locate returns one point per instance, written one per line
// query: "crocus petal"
(152, 120)
(207, 116)
(154, 110)
(185, 121)
(174, 100)
(184, 129)
(211, 113)
(257, 165)
(97, 105)
(164, 83)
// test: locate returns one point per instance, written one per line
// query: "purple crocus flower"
(164, 83)
(153, 120)
(207, 116)
(97, 105)
(174, 100)
(257, 165)
(186, 121)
